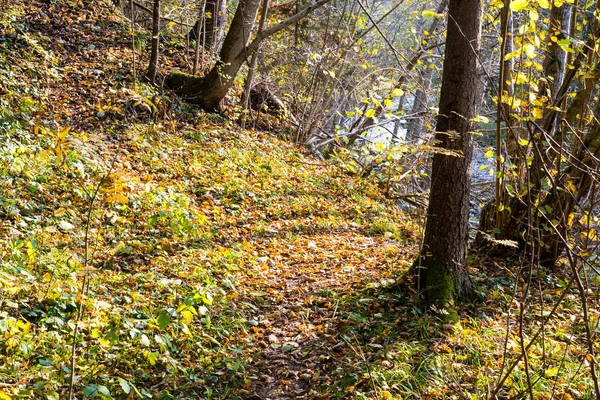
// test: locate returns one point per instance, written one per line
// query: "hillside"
(209, 256)
(166, 253)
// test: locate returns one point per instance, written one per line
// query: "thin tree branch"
(282, 25)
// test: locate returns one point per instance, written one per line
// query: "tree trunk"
(252, 66)
(153, 65)
(440, 274)
(212, 29)
(210, 90)
(556, 60)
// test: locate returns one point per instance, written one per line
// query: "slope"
(186, 257)
(165, 253)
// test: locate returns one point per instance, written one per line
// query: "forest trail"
(312, 299)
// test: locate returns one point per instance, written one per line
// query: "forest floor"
(191, 259)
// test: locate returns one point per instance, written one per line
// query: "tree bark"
(153, 64)
(440, 274)
(210, 90)
(212, 29)
(555, 62)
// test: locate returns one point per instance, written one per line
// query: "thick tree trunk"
(210, 90)
(212, 29)
(440, 273)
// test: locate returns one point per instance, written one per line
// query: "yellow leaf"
(59, 156)
(24, 326)
(370, 113)
(4, 396)
(537, 113)
(589, 235)
(388, 103)
(11, 342)
(570, 186)
(544, 4)
(533, 15)
(386, 395)
(431, 14)
(521, 78)
(518, 5)
(570, 219)
(397, 92)
(585, 254)
(530, 50)
(117, 197)
(63, 132)
(187, 317)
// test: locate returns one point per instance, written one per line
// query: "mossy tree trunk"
(440, 275)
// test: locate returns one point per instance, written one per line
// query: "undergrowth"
(219, 262)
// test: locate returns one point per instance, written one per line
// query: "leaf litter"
(224, 264)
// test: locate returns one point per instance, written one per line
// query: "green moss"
(438, 284)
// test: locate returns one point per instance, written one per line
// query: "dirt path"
(312, 300)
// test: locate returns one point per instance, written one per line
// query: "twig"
(143, 7)
(133, 43)
(86, 262)
(364, 358)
